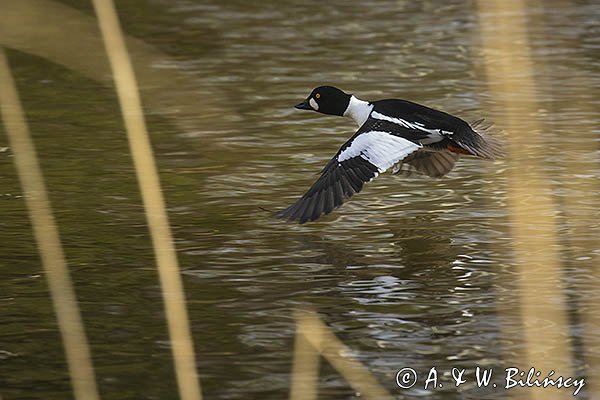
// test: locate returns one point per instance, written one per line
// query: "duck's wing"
(475, 139)
(361, 159)
(431, 163)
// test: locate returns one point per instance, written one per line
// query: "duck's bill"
(303, 106)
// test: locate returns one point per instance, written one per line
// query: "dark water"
(412, 272)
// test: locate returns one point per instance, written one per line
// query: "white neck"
(358, 110)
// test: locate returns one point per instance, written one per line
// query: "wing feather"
(360, 160)
(431, 163)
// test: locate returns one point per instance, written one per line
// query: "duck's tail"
(483, 142)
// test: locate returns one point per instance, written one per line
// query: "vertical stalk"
(154, 204)
(47, 237)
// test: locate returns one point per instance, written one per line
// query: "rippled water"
(412, 272)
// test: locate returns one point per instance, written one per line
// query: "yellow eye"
(318, 95)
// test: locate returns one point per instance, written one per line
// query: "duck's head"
(326, 100)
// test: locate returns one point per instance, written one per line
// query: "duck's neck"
(358, 110)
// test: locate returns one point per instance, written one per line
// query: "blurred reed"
(48, 239)
(580, 216)
(154, 204)
(305, 368)
(314, 338)
(540, 283)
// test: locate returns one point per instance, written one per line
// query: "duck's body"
(392, 133)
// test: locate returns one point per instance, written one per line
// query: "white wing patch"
(381, 149)
(435, 135)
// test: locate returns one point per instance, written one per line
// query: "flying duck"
(393, 133)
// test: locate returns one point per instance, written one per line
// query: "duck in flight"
(393, 133)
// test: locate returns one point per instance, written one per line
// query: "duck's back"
(413, 112)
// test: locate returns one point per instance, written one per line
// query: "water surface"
(412, 272)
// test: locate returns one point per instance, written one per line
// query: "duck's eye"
(318, 96)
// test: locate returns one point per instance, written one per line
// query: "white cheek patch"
(379, 148)
(313, 103)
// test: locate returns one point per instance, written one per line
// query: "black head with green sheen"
(326, 100)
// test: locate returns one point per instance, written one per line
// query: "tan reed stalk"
(318, 335)
(510, 74)
(154, 204)
(47, 237)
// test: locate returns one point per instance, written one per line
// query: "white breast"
(358, 110)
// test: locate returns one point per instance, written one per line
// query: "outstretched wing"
(431, 163)
(360, 160)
